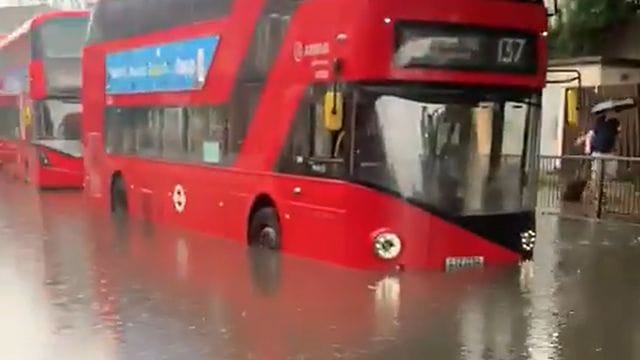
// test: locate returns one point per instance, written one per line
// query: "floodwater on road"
(76, 286)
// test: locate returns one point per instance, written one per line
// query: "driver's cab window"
(319, 144)
(327, 119)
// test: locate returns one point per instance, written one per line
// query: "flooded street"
(75, 286)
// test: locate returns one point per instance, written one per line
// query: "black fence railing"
(592, 186)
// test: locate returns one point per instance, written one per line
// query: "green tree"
(584, 25)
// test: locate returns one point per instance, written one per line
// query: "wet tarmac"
(76, 286)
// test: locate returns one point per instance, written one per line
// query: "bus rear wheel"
(264, 229)
(119, 204)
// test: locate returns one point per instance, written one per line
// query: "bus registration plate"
(457, 263)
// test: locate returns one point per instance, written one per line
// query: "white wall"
(591, 74)
(552, 120)
(598, 75)
(620, 75)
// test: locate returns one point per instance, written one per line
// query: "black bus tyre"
(264, 229)
(119, 204)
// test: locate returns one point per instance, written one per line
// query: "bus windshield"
(63, 38)
(58, 120)
(457, 153)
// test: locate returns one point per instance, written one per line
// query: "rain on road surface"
(75, 286)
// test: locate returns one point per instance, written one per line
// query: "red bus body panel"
(330, 220)
(63, 170)
(7, 152)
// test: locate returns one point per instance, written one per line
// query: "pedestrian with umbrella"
(600, 142)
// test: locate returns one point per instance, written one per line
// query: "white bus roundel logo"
(179, 198)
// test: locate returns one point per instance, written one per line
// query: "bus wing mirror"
(333, 110)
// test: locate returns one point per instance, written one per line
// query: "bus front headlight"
(528, 240)
(387, 245)
(42, 158)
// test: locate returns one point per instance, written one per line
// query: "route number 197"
(510, 50)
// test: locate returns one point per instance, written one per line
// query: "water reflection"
(76, 284)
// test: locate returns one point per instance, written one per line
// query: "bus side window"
(298, 150)
(243, 110)
(205, 9)
(270, 31)
(113, 131)
(120, 128)
(144, 134)
(177, 134)
(172, 137)
(150, 124)
(208, 134)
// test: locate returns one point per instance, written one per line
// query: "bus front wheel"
(264, 229)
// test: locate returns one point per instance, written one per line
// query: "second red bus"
(40, 65)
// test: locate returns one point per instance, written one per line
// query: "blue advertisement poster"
(174, 66)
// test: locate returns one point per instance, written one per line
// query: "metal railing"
(591, 186)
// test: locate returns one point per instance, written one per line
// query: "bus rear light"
(387, 245)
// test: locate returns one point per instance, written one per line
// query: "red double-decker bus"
(40, 65)
(375, 135)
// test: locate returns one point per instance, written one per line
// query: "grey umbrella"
(614, 104)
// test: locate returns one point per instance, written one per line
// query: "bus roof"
(37, 20)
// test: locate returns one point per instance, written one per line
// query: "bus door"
(318, 153)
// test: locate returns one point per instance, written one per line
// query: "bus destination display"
(425, 45)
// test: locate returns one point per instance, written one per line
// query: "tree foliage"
(584, 25)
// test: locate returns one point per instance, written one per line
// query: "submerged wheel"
(264, 229)
(119, 204)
